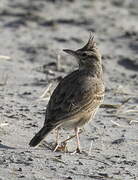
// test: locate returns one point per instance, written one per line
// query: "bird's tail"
(40, 136)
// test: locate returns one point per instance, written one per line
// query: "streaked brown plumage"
(77, 97)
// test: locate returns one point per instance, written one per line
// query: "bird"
(77, 97)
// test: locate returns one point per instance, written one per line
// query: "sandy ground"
(32, 36)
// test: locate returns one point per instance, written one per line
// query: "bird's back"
(76, 93)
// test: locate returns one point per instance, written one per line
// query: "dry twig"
(44, 95)
(5, 57)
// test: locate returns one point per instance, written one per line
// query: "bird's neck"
(94, 69)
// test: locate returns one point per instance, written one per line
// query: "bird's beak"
(71, 52)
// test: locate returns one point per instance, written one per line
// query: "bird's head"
(88, 56)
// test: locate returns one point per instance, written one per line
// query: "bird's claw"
(61, 148)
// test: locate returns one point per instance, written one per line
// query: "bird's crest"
(90, 44)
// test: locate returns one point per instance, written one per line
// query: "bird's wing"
(75, 93)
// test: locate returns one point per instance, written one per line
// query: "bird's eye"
(84, 54)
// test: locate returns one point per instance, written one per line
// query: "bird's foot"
(60, 148)
(77, 151)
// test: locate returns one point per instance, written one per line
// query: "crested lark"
(78, 96)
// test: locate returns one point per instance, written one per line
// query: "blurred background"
(32, 36)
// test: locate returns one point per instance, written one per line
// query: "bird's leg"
(78, 140)
(71, 137)
(59, 147)
(57, 139)
(57, 136)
